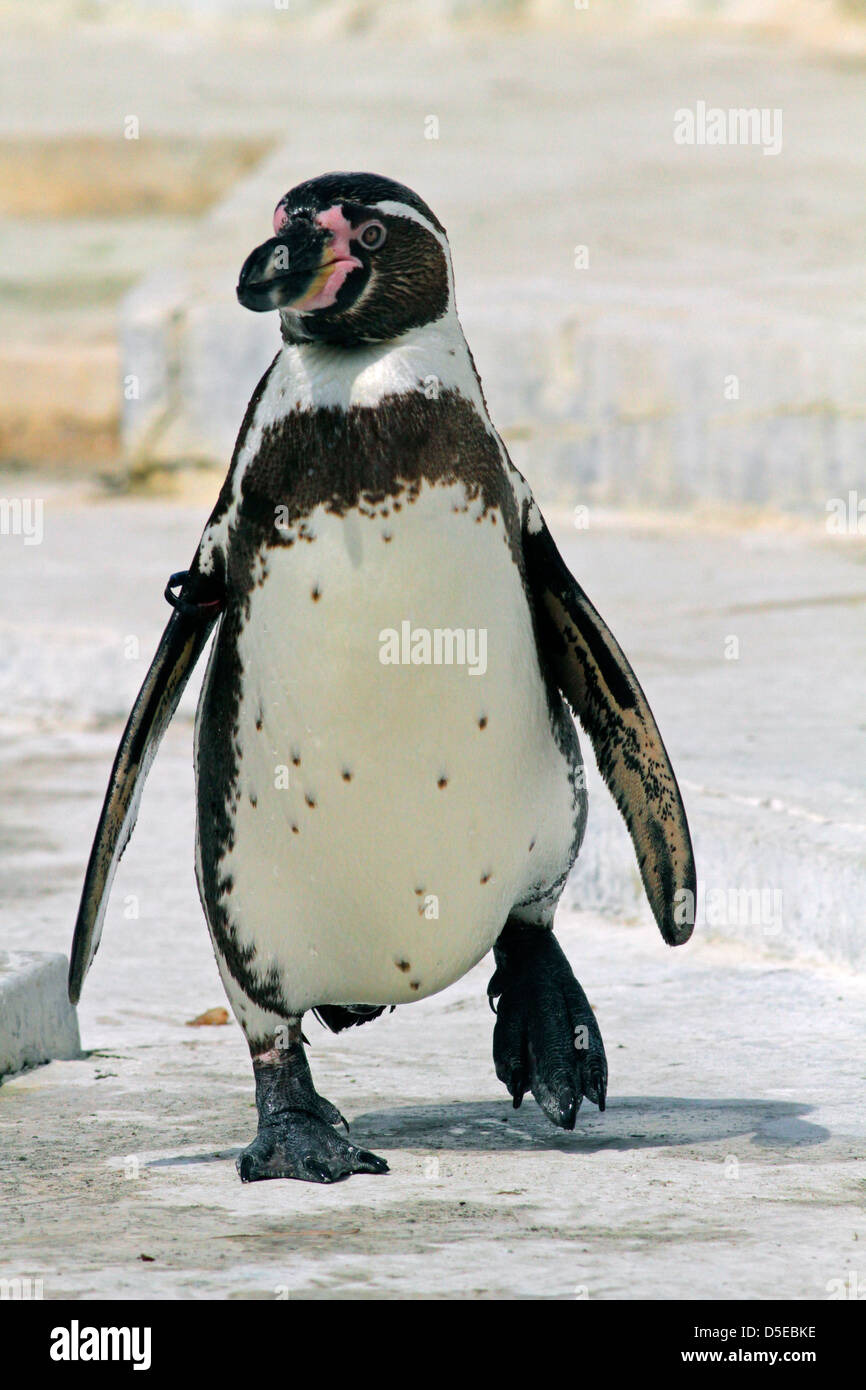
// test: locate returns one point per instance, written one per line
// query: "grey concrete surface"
(728, 1164)
(37, 1021)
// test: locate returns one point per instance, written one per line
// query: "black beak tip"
(258, 300)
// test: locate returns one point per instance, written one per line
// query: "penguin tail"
(337, 1017)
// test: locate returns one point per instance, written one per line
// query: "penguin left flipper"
(587, 664)
(182, 642)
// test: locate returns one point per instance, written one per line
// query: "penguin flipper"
(181, 645)
(587, 664)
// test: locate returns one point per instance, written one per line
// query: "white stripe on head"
(395, 209)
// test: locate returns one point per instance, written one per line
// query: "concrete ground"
(729, 1163)
(731, 1159)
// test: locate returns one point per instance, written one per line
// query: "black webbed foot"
(296, 1136)
(299, 1145)
(546, 1038)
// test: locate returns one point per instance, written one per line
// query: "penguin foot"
(300, 1145)
(546, 1039)
(296, 1137)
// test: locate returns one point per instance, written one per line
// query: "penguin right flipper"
(181, 645)
(587, 664)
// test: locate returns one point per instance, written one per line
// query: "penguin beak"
(298, 269)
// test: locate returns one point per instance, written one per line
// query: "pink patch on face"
(338, 263)
(281, 217)
(334, 274)
(340, 228)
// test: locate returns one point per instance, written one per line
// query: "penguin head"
(355, 258)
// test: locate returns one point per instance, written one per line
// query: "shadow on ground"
(630, 1122)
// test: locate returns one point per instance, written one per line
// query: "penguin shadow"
(630, 1122)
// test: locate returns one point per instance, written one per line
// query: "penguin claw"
(330, 1114)
(372, 1162)
(545, 1032)
(597, 1082)
(517, 1088)
(567, 1105)
(317, 1171)
(303, 1146)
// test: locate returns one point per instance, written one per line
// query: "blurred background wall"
(656, 322)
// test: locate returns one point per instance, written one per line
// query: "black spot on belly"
(443, 782)
(482, 723)
(296, 758)
(310, 800)
(414, 984)
(485, 878)
(254, 801)
(387, 536)
(403, 965)
(315, 593)
(295, 830)
(346, 774)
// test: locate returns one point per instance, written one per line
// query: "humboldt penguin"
(389, 782)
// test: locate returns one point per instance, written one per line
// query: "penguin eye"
(372, 236)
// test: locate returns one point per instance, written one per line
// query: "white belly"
(388, 815)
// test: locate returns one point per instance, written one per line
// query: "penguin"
(389, 781)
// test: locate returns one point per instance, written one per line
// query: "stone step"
(37, 1022)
